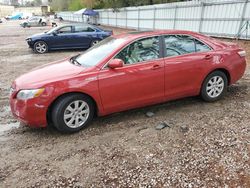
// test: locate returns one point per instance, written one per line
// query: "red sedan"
(123, 72)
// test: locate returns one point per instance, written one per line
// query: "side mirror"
(115, 63)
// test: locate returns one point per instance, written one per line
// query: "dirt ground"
(205, 145)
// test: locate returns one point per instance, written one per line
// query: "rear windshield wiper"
(74, 61)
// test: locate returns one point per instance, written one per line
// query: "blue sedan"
(70, 36)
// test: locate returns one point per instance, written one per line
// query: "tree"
(37, 2)
(60, 5)
(75, 5)
(14, 2)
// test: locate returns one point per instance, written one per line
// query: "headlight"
(29, 94)
(29, 40)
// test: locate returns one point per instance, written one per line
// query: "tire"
(41, 47)
(24, 25)
(44, 24)
(94, 42)
(69, 110)
(214, 86)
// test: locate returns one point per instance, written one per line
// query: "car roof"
(130, 36)
(76, 24)
(141, 34)
(81, 24)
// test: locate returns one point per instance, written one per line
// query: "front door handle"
(155, 67)
(208, 56)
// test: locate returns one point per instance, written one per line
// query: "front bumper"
(30, 43)
(31, 112)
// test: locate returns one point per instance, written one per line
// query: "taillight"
(242, 53)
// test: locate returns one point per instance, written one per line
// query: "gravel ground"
(204, 144)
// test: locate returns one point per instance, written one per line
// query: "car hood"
(46, 74)
(38, 35)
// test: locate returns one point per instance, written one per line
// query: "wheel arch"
(38, 40)
(50, 107)
(225, 71)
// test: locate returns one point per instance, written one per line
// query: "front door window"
(140, 51)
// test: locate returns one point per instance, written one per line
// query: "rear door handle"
(208, 56)
(155, 67)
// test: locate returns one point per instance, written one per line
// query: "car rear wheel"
(44, 24)
(73, 112)
(94, 42)
(41, 47)
(214, 86)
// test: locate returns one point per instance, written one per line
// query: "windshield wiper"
(74, 61)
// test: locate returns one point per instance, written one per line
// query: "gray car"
(35, 21)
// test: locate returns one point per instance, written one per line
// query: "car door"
(33, 21)
(83, 36)
(186, 60)
(62, 38)
(139, 82)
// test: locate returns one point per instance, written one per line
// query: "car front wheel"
(44, 24)
(72, 112)
(41, 47)
(94, 42)
(214, 86)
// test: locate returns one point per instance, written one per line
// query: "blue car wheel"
(41, 47)
(94, 42)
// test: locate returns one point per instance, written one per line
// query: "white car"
(35, 21)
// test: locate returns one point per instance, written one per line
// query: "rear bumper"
(238, 70)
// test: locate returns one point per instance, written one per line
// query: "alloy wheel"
(215, 86)
(41, 47)
(94, 43)
(76, 114)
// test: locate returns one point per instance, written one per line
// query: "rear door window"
(80, 28)
(33, 19)
(182, 44)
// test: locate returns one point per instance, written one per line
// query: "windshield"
(97, 53)
(52, 30)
